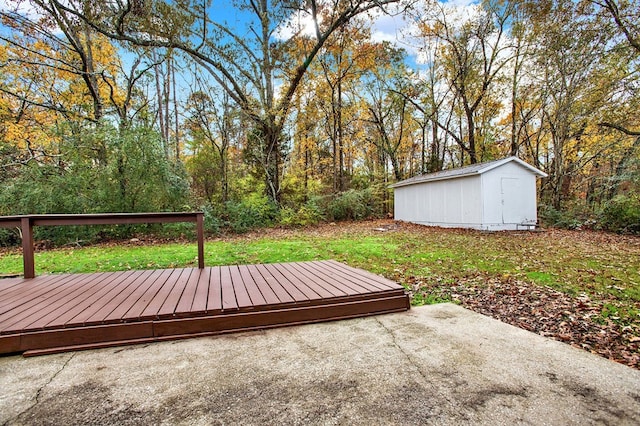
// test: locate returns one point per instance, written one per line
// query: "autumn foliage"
(291, 113)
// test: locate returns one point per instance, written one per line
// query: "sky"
(392, 27)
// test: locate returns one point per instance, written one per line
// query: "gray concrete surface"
(438, 364)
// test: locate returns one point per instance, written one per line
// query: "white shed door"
(512, 193)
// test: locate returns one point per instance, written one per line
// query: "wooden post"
(28, 261)
(200, 236)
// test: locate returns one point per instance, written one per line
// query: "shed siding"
(447, 203)
(500, 195)
(509, 197)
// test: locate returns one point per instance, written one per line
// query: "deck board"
(163, 290)
(19, 296)
(137, 309)
(174, 295)
(201, 295)
(214, 299)
(93, 295)
(332, 279)
(269, 295)
(117, 298)
(53, 313)
(334, 290)
(242, 295)
(229, 301)
(29, 309)
(185, 303)
(257, 299)
(59, 307)
(285, 295)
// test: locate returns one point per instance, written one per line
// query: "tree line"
(287, 111)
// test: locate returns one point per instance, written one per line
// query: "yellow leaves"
(431, 28)
(29, 131)
(42, 78)
(103, 62)
(41, 46)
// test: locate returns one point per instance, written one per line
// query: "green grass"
(575, 263)
(542, 278)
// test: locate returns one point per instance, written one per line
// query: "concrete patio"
(439, 364)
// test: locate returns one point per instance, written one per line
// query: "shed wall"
(503, 198)
(446, 203)
(509, 197)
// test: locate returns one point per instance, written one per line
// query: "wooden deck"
(56, 313)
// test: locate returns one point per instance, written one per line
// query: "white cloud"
(299, 23)
(23, 7)
(392, 25)
(28, 11)
(387, 27)
(458, 12)
(401, 30)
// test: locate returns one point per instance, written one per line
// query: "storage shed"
(494, 196)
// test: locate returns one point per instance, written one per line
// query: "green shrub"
(213, 219)
(9, 237)
(354, 205)
(255, 211)
(566, 219)
(138, 177)
(621, 214)
(134, 176)
(308, 214)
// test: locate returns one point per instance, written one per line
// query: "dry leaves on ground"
(573, 320)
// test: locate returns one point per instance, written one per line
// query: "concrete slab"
(439, 364)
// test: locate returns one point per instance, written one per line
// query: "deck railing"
(27, 222)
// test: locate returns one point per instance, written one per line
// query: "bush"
(576, 216)
(213, 221)
(308, 214)
(9, 237)
(354, 205)
(256, 211)
(138, 177)
(621, 214)
(134, 176)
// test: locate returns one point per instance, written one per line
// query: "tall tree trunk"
(159, 95)
(272, 134)
(176, 123)
(166, 99)
(341, 185)
(471, 133)
(514, 96)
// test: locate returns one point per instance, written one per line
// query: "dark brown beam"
(28, 261)
(27, 222)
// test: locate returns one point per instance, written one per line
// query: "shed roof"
(473, 169)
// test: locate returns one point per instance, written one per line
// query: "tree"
(625, 119)
(346, 58)
(52, 79)
(474, 54)
(213, 124)
(246, 64)
(390, 114)
(577, 77)
(625, 14)
(79, 39)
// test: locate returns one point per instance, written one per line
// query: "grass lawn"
(434, 264)
(573, 262)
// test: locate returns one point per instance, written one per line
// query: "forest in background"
(291, 112)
